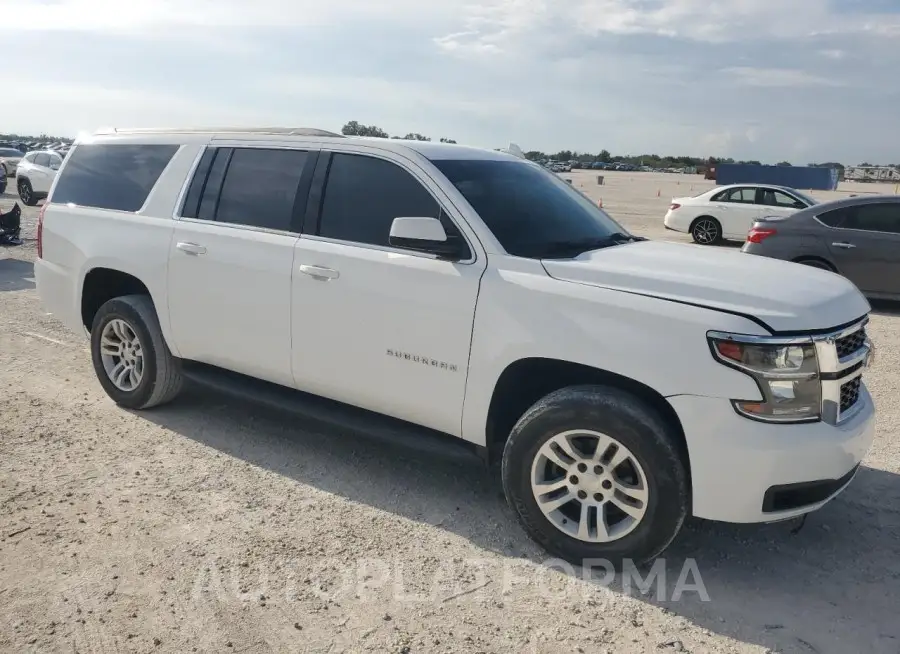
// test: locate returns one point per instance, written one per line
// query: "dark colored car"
(857, 237)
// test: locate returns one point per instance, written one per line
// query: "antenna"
(514, 150)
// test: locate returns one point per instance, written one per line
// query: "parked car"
(36, 173)
(9, 160)
(440, 294)
(727, 212)
(858, 237)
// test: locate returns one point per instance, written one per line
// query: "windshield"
(810, 200)
(529, 210)
(9, 152)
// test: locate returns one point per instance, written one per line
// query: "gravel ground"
(215, 526)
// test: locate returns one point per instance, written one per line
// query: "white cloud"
(776, 77)
(136, 15)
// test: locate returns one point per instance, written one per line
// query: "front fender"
(659, 343)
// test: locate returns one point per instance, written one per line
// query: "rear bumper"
(746, 471)
(58, 294)
(676, 223)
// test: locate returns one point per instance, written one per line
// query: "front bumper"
(747, 471)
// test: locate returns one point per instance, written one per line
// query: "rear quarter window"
(112, 176)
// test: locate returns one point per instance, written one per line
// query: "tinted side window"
(836, 218)
(192, 198)
(363, 195)
(118, 177)
(773, 198)
(260, 188)
(877, 218)
(742, 195)
(42, 159)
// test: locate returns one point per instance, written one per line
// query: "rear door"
(737, 210)
(864, 242)
(229, 276)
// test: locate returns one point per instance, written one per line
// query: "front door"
(229, 277)
(374, 326)
(865, 245)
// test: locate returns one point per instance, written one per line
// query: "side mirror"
(423, 234)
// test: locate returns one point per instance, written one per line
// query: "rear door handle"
(191, 248)
(844, 245)
(320, 273)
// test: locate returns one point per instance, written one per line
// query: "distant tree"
(444, 140)
(354, 128)
(785, 164)
(415, 136)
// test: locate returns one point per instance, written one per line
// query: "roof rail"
(283, 131)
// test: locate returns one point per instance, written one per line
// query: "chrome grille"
(849, 344)
(842, 359)
(850, 393)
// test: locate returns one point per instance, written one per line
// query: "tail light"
(759, 234)
(674, 206)
(40, 231)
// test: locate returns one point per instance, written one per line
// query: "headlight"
(787, 376)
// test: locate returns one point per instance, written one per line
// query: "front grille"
(850, 393)
(850, 343)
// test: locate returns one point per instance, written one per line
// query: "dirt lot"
(212, 526)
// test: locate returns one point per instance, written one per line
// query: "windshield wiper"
(574, 247)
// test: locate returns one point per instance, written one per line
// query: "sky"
(797, 80)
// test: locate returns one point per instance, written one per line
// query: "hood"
(785, 296)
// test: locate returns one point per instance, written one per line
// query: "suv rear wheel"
(130, 356)
(592, 472)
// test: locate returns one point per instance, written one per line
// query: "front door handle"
(191, 248)
(843, 245)
(320, 273)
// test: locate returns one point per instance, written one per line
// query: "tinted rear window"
(118, 177)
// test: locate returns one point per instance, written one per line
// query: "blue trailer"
(799, 177)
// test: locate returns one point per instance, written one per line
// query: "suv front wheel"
(130, 356)
(593, 472)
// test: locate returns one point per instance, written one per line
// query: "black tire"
(26, 193)
(706, 230)
(161, 380)
(635, 425)
(817, 263)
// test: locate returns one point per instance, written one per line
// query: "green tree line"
(355, 128)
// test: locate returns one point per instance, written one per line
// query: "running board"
(332, 416)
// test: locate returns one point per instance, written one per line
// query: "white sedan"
(728, 212)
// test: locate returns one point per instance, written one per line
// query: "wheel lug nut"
(581, 495)
(598, 497)
(607, 484)
(598, 470)
(582, 467)
(573, 479)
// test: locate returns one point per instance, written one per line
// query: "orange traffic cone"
(657, 192)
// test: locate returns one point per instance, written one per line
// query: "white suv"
(444, 294)
(35, 175)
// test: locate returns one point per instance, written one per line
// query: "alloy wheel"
(589, 486)
(122, 355)
(706, 232)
